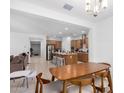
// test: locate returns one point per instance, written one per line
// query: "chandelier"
(95, 6)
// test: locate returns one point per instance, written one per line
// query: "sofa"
(18, 62)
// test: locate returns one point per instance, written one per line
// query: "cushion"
(57, 86)
(16, 60)
(11, 58)
(53, 87)
(98, 82)
(75, 89)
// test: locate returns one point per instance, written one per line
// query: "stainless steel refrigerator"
(49, 50)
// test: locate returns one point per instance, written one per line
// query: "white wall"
(20, 42)
(66, 43)
(103, 41)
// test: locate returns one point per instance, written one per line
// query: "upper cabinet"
(76, 43)
(84, 41)
(56, 43)
(80, 43)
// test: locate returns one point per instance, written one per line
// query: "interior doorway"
(35, 49)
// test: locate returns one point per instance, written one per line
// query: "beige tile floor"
(39, 65)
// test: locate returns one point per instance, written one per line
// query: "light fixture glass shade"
(96, 9)
(95, 6)
(88, 5)
(104, 4)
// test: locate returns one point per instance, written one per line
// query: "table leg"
(80, 88)
(64, 87)
(23, 83)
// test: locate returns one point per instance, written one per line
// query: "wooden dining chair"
(47, 86)
(81, 82)
(41, 81)
(103, 75)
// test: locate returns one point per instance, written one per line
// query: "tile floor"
(40, 65)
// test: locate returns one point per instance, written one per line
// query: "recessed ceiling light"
(68, 37)
(82, 32)
(60, 32)
(66, 28)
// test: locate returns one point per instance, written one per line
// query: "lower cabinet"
(83, 57)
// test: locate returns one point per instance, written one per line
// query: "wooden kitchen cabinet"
(83, 57)
(51, 42)
(56, 43)
(73, 44)
(76, 43)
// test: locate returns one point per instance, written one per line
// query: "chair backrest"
(105, 64)
(40, 81)
(37, 83)
(105, 72)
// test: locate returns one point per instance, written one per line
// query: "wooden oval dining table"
(69, 72)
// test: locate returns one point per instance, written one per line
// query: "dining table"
(73, 71)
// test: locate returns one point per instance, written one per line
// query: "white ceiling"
(57, 5)
(28, 23)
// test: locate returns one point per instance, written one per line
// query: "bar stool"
(60, 61)
(54, 60)
(104, 75)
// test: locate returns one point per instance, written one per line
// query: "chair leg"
(102, 85)
(36, 89)
(94, 88)
(97, 91)
(23, 82)
(110, 81)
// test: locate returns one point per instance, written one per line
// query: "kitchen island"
(82, 56)
(70, 58)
